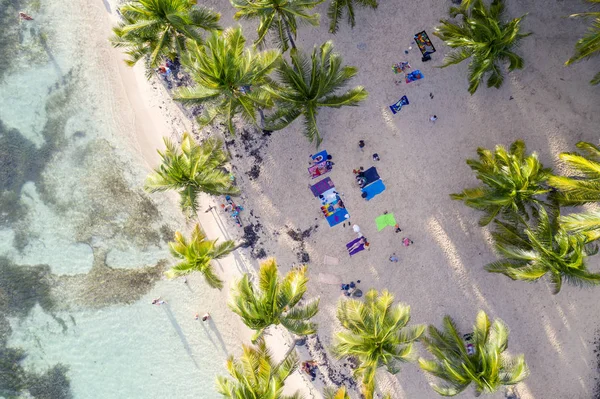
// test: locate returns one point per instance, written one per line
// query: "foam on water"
(82, 247)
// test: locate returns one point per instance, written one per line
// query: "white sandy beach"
(552, 108)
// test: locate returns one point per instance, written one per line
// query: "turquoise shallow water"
(82, 247)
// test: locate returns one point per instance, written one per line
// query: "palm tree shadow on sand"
(209, 326)
(179, 331)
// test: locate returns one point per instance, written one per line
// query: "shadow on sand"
(179, 331)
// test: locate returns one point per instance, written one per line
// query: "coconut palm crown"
(196, 255)
(483, 36)
(229, 78)
(512, 182)
(256, 376)
(543, 249)
(585, 186)
(587, 223)
(335, 12)
(274, 301)
(160, 28)
(487, 367)
(305, 85)
(280, 18)
(375, 332)
(192, 168)
(589, 45)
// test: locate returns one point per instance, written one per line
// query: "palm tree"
(585, 187)
(190, 169)
(228, 78)
(483, 363)
(307, 85)
(336, 11)
(342, 394)
(160, 28)
(256, 375)
(483, 36)
(512, 181)
(589, 45)
(278, 17)
(587, 223)
(196, 256)
(546, 248)
(274, 301)
(375, 332)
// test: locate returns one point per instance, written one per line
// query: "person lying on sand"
(362, 241)
(25, 17)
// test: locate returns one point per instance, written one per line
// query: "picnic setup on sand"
(321, 164)
(404, 69)
(370, 183)
(332, 206)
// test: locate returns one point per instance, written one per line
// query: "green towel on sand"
(385, 220)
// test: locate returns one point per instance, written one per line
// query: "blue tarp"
(373, 189)
(340, 216)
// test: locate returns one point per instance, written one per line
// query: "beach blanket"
(318, 169)
(382, 221)
(401, 67)
(371, 175)
(361, 247)
(398, 105)
(322, 186)
(414, 75)
(329, 197)
(338, 217)
(424, 43)
(320, 156)
(373, 189)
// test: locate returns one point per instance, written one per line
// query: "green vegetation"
(543, 248)
(229, 79)
(305, 85)
(192, 168)
(585, 186)
(488, 368)
(196, 255)
(512, 182)
(589, 45)
(376, 333)
(275, 301)
(280, 18)
(336, 9)
(483, 36)
(256, 375)
(154, 29)
(587, 223)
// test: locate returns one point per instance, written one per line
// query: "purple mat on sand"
(361, 247)
(322, 186)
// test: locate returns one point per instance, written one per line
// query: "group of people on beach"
(169, 71)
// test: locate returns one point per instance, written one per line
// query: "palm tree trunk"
(262, 118)
(289, 33)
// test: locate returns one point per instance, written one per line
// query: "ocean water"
(82, 247)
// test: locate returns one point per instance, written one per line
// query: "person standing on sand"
(206, 316)
(361, 144)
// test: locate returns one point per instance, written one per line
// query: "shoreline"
(144, 97)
